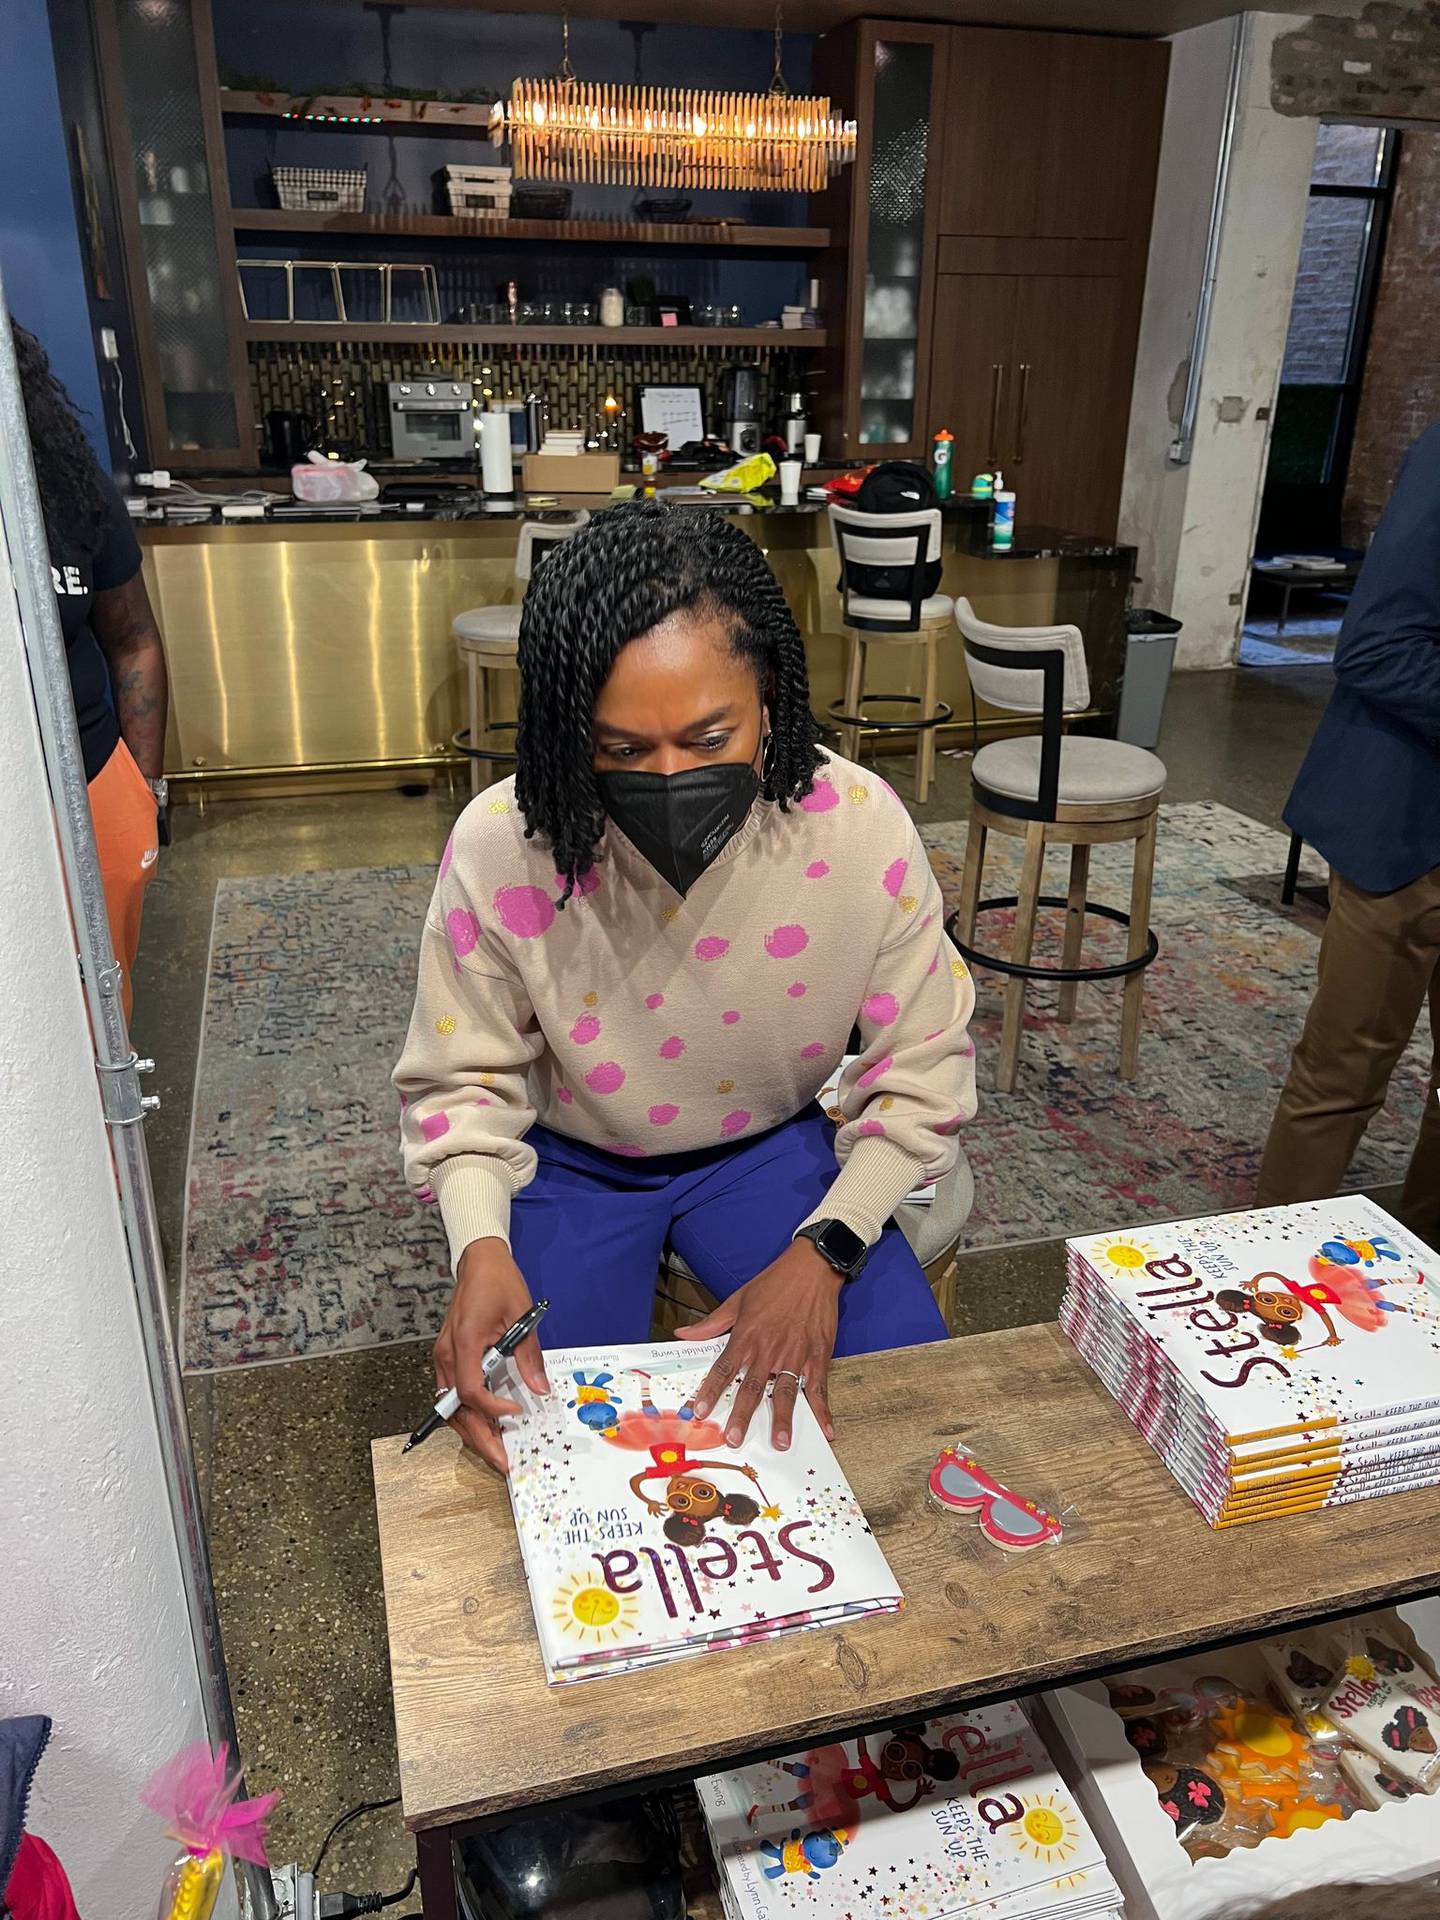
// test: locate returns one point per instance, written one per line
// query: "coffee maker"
(740, 408)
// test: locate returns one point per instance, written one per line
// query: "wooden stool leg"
(1074, 927)
(473, 673)
(925, 741)
(1021, 945)
(854, 680)
(970, 880)
(1140, 890)
(942, 1286)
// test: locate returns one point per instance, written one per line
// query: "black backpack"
(894, 486)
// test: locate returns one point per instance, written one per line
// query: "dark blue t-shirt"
(78, 577)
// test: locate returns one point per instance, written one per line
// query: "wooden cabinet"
(1047, 176)
(1050, 136)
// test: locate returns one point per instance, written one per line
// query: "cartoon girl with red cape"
(1343, 1282)
(691, 1499)
(832, 1785)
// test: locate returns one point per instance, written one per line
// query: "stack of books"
(1278, 1361)
(962, 1815)
(646, 1538)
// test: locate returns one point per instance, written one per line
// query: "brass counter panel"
(294, 647)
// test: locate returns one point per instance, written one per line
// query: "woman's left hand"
(781, 1325)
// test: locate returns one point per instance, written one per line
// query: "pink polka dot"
(585, 1029)
(785, 942)
(527, 912)
(482, 1101)
(447, 856)
(730, 1018)
(821, 797)
(585, 883)
(934, 967)
(872, 1129)
(654, 1000)
(926, 921)
(404, 1101)
(630, 1153)
(426, 1196)
(564, 1096)
(672, 1048)
(464, 930)
(887, 789)
(895, 878)
(816, 1050)
(936, 1035)
(877, 1072)
(661, 1116)
(950, 1126)
(608, 1077)
(435, 1125)
(711, 947)
(881, 1009)
(817, 870)
(735, 1122)
(796, 990)
(967, 1050)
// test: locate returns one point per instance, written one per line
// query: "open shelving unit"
(360, 333)
(360, 110)
(712, 236)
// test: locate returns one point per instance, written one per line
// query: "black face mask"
(680, 822)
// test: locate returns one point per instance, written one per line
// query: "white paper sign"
(675, 411)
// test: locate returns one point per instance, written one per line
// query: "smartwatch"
(838, 1245)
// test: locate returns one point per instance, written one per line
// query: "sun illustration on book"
(589, 1612)
(1049, 1830)
(1125, 1254)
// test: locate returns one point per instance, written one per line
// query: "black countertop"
(970, 518)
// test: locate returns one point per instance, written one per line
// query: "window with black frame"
(1316, 407)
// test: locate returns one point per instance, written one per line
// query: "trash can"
(1149, 659)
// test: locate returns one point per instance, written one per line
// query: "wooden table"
(480, 1734)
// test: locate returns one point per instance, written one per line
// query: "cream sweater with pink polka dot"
(645, 1023)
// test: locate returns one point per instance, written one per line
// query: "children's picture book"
(964, 1814)
(646, 1537)
(1277, 1360)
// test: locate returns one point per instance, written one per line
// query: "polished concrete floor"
(284, 1450)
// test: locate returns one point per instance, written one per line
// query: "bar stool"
(910, 619)
(1053, 791)
(489, 641)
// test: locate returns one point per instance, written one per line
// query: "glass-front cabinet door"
(165, 136)
(901, 80)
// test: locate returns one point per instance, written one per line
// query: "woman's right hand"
(490, 1295)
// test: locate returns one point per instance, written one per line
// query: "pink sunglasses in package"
(959, 1484)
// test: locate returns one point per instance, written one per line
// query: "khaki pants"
(1379, 963)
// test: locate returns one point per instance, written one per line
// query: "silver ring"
(788, 1373)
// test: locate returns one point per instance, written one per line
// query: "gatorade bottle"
(944, 447)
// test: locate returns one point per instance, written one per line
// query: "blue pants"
(588, 1231)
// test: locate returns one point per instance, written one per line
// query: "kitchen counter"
(319, 643)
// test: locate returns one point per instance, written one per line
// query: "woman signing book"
(644, 957)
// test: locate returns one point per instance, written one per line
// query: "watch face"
(838, 1243)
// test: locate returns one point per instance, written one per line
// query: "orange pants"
(122, 808)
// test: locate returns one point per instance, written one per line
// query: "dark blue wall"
(39, 243)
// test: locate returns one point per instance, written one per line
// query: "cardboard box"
(1396, 1843)
(571, 473)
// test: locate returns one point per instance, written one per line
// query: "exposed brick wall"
(1384, 64)
(1400, 395)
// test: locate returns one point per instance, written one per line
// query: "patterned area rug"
(301, 1240)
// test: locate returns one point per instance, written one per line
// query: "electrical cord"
(353, 1813)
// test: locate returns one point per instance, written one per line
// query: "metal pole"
(23, 527)
(1183, 444)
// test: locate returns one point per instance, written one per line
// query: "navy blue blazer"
(1368, 795)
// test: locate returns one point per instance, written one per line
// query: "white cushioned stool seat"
(488, 629)
(1092, 772)
(868, 606)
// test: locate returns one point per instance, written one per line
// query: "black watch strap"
(838, 1245)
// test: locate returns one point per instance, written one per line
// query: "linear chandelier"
(563, 128)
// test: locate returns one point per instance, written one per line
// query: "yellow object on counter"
(744, 477)
(192, 1887)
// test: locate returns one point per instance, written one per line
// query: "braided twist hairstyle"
(630, 568)
(66, 471)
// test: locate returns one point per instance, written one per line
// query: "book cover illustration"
(646, 1536)
(964, 1814)
(1279, 1318)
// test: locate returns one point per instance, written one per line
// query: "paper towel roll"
(496, 473)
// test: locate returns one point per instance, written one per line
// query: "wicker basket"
(320, 189)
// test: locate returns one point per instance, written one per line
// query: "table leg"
(1284, 610)
(435, 1858)
(1292, 870)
